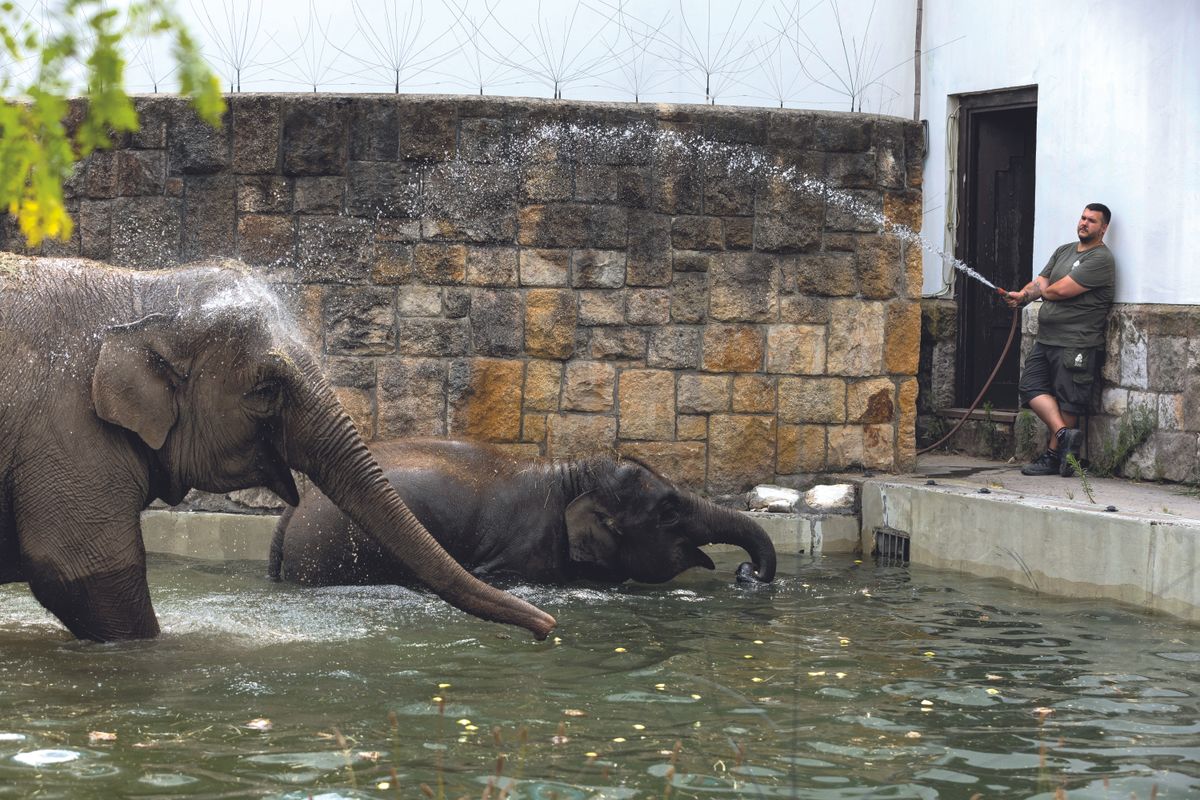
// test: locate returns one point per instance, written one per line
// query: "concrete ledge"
(209, 535)
(224, 537)
(1046, 544)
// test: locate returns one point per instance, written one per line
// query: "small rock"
(831, 497)
(775, 499)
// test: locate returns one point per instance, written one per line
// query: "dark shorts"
(1068, 373)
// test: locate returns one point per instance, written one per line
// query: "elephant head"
(630, 522)
(215, 383)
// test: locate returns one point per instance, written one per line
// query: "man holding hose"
(1076, 287)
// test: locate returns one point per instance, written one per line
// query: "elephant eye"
(265, 398)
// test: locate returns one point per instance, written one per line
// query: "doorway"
(997, 161)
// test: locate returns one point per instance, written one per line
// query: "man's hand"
(1014, 299)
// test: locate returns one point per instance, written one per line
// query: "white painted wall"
(1118, 123)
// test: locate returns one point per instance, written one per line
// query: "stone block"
(546, 183)
(813, 400)
(358, 403)
(544, 267)
(683, 463)
(857, 210)
(334, 249)
(427, 336)
(741, 451)
(579, 435)
(601, 307)
(123, 173)
(1170, 411)
(320, 195)
(440, 263)
(264, 194)
(697, 233)
(266, 239)
(728, 193)
(844, 447)
(648, 261)
(801, 449)
(702, 394)
(497, 316)
(906, 427)
(209, 216)
(836, 133)
(350, 372)
(830, 274)
(803, 310)
(870, 401)
(648, 307)
(855, 338)
(598, 269)
(193, 146)
(851, 170)
(94, 228)
(491, 266)
(154, 117)
(589, 386)
(796, 349)
(744, 287)
(542, 381)
(754, 394)
(739, 233)
(902, 339)
(374, 129)
(391, 263)
(550, 319)
(628, 186)
(360, 321)
(732, 348)
(787, 220)
(533, 429)
(412, 398)
(482, 139)
(148, 233)
(914, 276)
(430, 134)
(646, 404)
(1191, 401)
(315, 135)
(377, 189)
(256, 121)
(903, 209)
(674, 347)
(877, 260)
(689, 299)
(622, 344)
(1135, 356)
(483, 399)
(1167, 362)
(306, 304)
(690, 428)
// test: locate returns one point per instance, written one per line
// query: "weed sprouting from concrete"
(1081, 473)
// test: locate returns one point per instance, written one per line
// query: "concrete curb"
(1045, 544)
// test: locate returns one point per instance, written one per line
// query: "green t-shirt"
(1078, 321)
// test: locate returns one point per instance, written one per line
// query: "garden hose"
(1012, 332)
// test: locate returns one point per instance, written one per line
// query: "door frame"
(970, 105)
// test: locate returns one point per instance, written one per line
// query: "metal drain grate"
(891, 546)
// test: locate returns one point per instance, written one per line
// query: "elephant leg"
(88, 569)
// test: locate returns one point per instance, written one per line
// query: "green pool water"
(841, 680)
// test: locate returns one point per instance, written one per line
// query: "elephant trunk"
(725, 526)
(322, 442)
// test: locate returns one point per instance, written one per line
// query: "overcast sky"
(822, 54)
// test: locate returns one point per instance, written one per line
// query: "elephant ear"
(134, 382)
(591, 536)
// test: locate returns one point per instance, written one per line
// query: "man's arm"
(1062, 289)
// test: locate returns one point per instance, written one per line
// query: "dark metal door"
(997, 144)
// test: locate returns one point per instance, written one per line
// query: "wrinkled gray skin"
(598, 519)
(119, 387)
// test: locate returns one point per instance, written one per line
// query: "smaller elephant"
(604, 519)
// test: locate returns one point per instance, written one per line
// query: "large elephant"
(119, 386)
(603, 519)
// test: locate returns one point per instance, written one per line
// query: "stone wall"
(1152, 363)
(585, 295)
